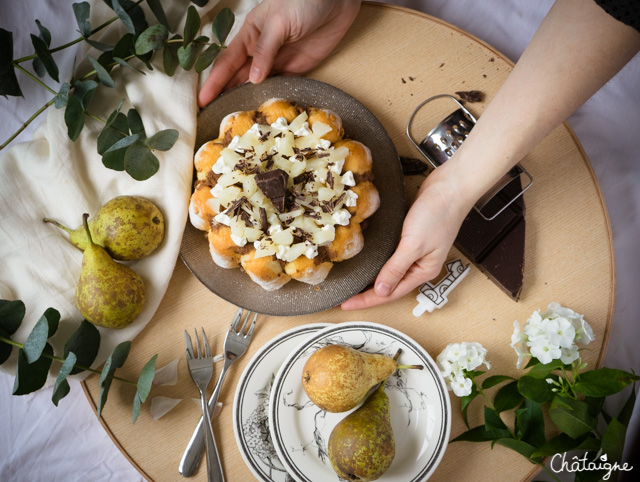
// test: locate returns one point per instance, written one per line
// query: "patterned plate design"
(420, 407)
(251, 404)
(347, 278)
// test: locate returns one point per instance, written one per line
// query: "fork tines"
(200, 351)
(235, 324)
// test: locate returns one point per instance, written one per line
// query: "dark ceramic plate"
(346, 278)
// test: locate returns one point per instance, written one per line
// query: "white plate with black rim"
(419, 400)
(251, 403)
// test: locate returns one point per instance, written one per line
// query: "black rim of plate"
(346, 278)
(430, 368)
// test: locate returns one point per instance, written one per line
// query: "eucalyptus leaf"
(123, 143)
(61, 388)
(5, 348)
(207, 57)
(31, 377)
(11, 315)
(604, 382)
(101, 72)
(113, 116)
(519, 446)
(492, 381)
(200, 3)
(153, 38)
(38, 67)
(116, 359)
(136, 407)
(481, 434)
(222, 24)
(508, 397)
(613, 440)
(62, 96)
(74, 118)
(42, 51)
(156, 7)
(114, 159)
(140, 162)
(536, 388)
(191, 26)
(162, 140)
(102, 47)
(106, 60)
(571, 416)
(45, 35)
(116, 128)
(123, 15)
(125, 47)
(8, 81)
(136, 14)
(84, 343)
(126, 64)
(170, 56)
(187, 56)
(81, 11)
(44, 328)
(135, 123)
(84, 90)
(145, 381)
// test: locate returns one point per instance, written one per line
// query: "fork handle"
(214, 470)
(193, 453)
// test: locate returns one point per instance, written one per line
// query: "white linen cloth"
(39, 441)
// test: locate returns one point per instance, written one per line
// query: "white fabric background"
(38, 440)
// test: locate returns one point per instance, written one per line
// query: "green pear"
(361, 446)
(108, 293)
(337, 377)
(128, 227)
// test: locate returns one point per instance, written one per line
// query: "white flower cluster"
(456, 360)
(552, 335)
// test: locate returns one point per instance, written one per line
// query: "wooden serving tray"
(392, 59)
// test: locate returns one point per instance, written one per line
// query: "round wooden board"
(391, 60)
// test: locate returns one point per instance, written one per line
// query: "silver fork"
(235, 344)
(201, 370)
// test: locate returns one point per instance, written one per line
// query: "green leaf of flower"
(494, 380)
(123, 15)
(222, 24)
(170, 56)
(44, 328)
(508, 397)
(81, 11)
(530, 423)
(153, 38)
(61, 388)
(84, 343)
(519, 446)
(492, 420)
(158, 11)
(162, 140)
(571, 416)
(191, 26)
(135, 123)
(8, 81)
(140, 162)
(11, 315)
(613, 440)
(465, 401)
(62, 96)
(74, 118)
(563, 443)
(45, 35)
(536, 389)
(543, 370)
(42, 51)
(207, 57)
(627, 410)
(604, 382)
(101, 72)
(481, 434)
(144, 385)
(31, 377)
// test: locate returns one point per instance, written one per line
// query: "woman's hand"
(428, 232)
(280, 37)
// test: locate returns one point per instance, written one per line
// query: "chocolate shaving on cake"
(304, 178)
(340, 198)
(301, 235)
(246, 218)
(330, 180)
(264, 224)
(322, 154)
(235, 206)
(212, 178)
(273, 185)
(311, 214)
(471, 96)
(263, 137)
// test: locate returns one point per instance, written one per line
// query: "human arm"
(577, 48)
(280, 36)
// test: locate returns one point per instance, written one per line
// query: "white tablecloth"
(39, 441)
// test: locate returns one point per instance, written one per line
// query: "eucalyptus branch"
(36, 80)
(26, 124)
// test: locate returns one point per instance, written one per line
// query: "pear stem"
(56, 223)
(85, 222)
(397, 355)
(400, 367)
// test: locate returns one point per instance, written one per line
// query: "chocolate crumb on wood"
(471, 96)
(412, 166)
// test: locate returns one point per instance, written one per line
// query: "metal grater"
(445, 138)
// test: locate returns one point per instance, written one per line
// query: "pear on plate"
(362, 446)
(108, 293)
(337, 377)
(128, 227)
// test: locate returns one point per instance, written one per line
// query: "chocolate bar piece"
(273, 185)
(496, 247)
